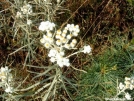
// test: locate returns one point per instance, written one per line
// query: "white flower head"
(64, 40)
(57, 36)
(65, 31)
(29, 22)
(74, 41)
(67, 46)
(127, 78)
(66, 62)
(58, 1)
(75, 34)
(9, 89)
(58, 42)
(52, 53)
(69, 36)
(76, 29)
(50, 40)
(58, 32)
(62, 53)
(49, 34)
(131, 86)
(47, 45)
(46, 26)
(26, 9)
(71, 27)
(127, 96)
(87, 49)
(4, 69)
(121, 86)
(4, 73)
(68, 26)
(42, 40)
(64, 34)
(72, 44)
(52, 59)
(18, 15)
(127, 84)
(46, 38)
(63, 62)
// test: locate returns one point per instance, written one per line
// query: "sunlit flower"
(42, 40)
(58, 56)
(57, 36)
(87, 49)
(9, 89)
(64, 40)
(76, 29)
(45, 26)
(52, 59)
(131, 86)
(62, 53)
(74, 41)
(64, 34)
(47, 45)
(121, 86)
(29, 22)
(3, 73)
(18, 15)
(52, 53)
(58, 1)
(66, 62)
(49, 34)
(58, 32)
(72, 44)
(127, 84)
(26, 9)
(127, 96)
(63, 62)
(75, 34)
(127, 78)
(69, 36)
(46, 38)
(65, 31)
(58, 42)
(71, 27)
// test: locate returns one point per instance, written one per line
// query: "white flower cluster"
(26, 10)
(6, 79)
(59, 40)
(87, 49)
(58, 57)
(46, 26)
(128, 84)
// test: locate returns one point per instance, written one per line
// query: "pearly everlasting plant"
(25, 10)
(6, 79)
(127, 85)
(58, 41)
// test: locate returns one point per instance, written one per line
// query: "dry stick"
(15, 52)
(18, 49)
(94, 21)
(73, 14)
(96, 18)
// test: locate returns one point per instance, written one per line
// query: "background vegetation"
(107, 25)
